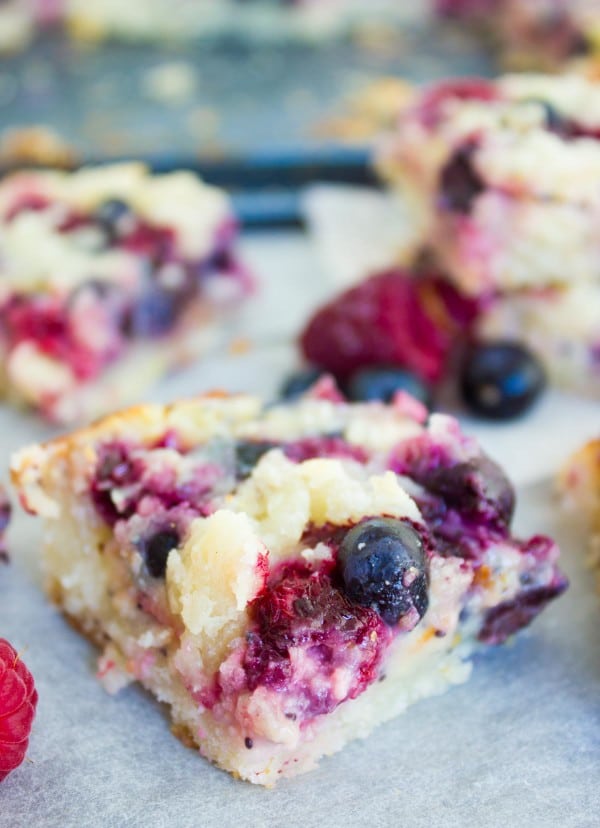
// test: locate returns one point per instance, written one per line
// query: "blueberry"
(553, 119)
(296, 384)
(501, 380)
(248, 453)
(221, 261)
(477, 486)
(381, 383)
(156, 548)
(460, 183)
(110, 214)
(5, 513)
(383, 566)
(154, 313)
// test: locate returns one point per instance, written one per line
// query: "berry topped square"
(285, 577)
(110, 277)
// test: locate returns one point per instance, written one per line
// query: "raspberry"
(393, 318)
(18, 700)
(433, 100)
(305, 632)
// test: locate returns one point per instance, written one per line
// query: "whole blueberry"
(299, 382)
(383, 565)
(501, 380)
(383, 382)
(110, 215)
(155, 550)
(154, 314)
(553, 120)
(248, 453)
(460, 183)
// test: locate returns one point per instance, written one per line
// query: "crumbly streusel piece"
(284, 577)
(579, 480)
(110, 277)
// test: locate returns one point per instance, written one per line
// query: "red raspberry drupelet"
(18, 700)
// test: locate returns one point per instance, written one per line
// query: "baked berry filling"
(507, 618)
(463, 89)
(124, 485)
(5, 515)
(155, 549)
(306, 632)
(467, 505)
(460, 183)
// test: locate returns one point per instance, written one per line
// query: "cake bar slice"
(284, 577)
(503, 181)
(110, 277)
(579, 480)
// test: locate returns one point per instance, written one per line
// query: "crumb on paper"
(240, 345)
(368, 112)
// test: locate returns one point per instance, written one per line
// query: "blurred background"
(261, 100)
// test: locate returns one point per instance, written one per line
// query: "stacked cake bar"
(533, 33)
(110, 277)
(503, 179)
(283, 577)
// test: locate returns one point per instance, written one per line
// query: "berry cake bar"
(533, 33)
(580, 483)
(284, 577)
(503, 179)
(110, 276)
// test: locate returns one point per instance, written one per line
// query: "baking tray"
(244, 113)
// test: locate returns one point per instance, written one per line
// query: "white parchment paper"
(519, 745)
